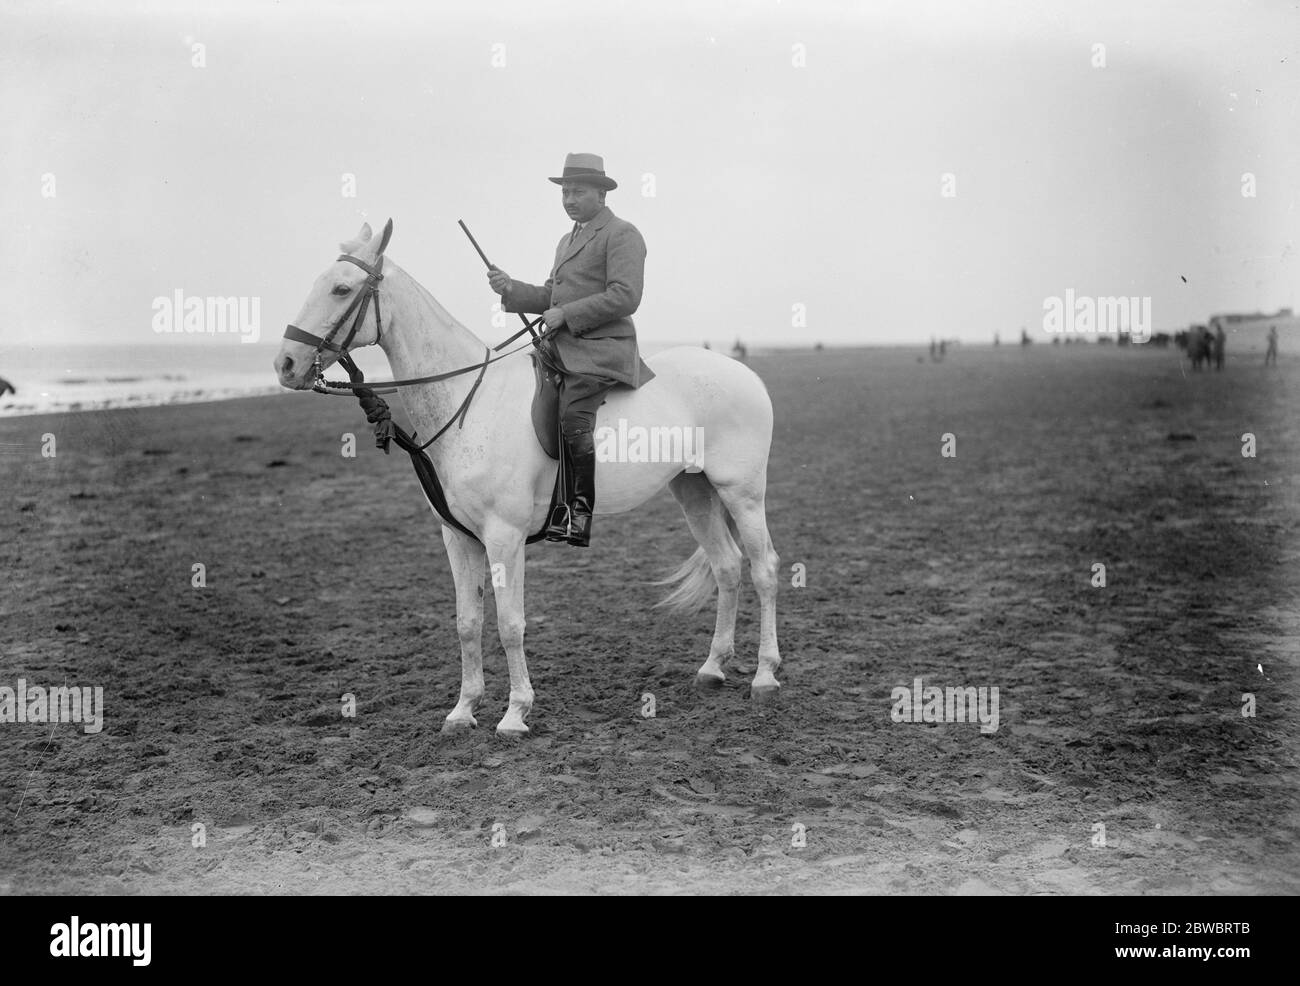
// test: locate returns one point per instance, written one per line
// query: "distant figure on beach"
(1216, 346)
(738, 351)
(1269, 356)
(1200, 346)
(1024, 337)
(997, 340)
(934, 350)
(943, 348)
(706, 343)
(7, 388)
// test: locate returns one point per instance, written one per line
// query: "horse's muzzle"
(291, 374)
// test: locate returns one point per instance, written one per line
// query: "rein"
(375, 407)
(356, 379)
(320, 383)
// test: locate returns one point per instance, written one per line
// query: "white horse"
(498, 480)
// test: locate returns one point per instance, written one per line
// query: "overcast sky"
(795, 152)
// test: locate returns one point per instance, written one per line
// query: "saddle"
(547, 425)
(546, 406)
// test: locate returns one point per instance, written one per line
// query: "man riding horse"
(594, 287)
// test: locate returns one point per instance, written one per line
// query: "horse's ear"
(364, 235)
(387, 235)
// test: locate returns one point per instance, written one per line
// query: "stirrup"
(559, 530)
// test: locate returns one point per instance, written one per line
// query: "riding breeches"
(580, 395)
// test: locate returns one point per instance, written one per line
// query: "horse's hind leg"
(707, 520)
(466, 557)
(745, 505)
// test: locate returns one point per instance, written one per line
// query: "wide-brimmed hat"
(588, 168)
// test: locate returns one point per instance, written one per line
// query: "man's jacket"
(597, 282)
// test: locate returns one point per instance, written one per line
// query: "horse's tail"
(694, 579)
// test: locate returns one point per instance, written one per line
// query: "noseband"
(358, 308)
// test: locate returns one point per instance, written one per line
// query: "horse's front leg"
(466, 557)
(505, 551)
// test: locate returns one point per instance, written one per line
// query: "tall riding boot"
(583, 448)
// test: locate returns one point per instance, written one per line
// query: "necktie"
(574, 235)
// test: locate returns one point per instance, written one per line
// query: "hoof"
(709, 682)
(764, 694)
(512, 732)
(458, 725)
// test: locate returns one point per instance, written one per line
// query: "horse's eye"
(342, 289)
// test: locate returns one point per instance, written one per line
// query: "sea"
(57, 378)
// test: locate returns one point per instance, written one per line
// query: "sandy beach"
(225, 766)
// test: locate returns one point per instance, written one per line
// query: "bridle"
(359, 306)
